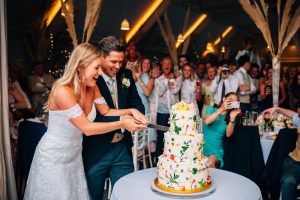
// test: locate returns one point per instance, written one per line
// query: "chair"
(30, 133)
(139, 147)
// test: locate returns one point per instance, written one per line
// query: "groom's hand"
(131, 124)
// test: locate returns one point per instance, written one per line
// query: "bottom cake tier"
(183, 176)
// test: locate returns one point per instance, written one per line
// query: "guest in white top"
(222, 84)
(168, 87)
(246, 85)
(189, 87)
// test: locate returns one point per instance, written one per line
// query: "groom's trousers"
(116, 163)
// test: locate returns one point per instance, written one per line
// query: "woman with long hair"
(144, 81)
(205, 90)
(57, 169)
(219, 122)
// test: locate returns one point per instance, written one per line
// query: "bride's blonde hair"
(82, 56)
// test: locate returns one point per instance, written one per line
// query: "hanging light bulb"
(223, 50)
(125, 25)
(180, 38)
(209, 47)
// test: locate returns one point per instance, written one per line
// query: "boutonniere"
(125, 82)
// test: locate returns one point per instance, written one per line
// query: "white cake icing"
(182, 167)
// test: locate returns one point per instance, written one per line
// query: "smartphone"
(235, 104)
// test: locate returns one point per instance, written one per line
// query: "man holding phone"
(223, 83)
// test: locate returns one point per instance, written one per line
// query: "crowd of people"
(127, 85)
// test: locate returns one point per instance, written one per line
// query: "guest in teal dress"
(219, 122)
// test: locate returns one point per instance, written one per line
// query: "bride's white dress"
(56, 171)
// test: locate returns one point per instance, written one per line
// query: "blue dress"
(213, 135)
(144, 98)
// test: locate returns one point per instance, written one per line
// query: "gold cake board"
(167, 189)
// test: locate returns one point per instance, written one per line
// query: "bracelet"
(232, 121)
(141, 83)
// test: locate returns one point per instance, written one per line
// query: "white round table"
(229, 186)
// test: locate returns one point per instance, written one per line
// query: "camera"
(235, 104)
(225, 70)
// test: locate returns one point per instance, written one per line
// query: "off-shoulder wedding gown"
(56, 171)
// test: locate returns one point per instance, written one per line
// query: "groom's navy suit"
(101, 157)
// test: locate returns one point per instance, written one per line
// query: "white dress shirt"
(166, 96)
(231, 85)
(241, 74)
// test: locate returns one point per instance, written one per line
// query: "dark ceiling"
(22, 15)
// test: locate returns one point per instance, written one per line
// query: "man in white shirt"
(168, 87)
(223, 83)
(246, 85)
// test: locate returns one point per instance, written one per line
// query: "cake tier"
(183, 122)
(184, 175)
(179, 147)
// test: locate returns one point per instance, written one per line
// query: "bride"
(57, 171)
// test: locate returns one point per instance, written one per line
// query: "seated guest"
(291, 166)
(217, 123)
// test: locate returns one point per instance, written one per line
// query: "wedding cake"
(182, 168)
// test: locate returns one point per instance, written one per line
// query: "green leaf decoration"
(202, 184)
(194, 171)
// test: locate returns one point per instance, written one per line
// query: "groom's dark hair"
(109, 44)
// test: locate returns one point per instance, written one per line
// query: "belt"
(117, 137)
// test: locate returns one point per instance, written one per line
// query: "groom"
(109, 155)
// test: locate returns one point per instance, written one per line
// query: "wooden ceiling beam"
(149, 23)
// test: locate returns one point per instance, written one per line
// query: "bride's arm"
(105, 110)
(64, 98)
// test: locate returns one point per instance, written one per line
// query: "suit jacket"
(94, 147)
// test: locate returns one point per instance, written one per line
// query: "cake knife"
(158, 127)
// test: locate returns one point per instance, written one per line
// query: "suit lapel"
(105, 92)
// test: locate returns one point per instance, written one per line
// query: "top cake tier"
(183, 120)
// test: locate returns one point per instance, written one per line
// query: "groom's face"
(112, 63)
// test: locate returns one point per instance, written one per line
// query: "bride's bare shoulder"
(64, 97)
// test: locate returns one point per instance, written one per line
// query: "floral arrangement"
(275, 122)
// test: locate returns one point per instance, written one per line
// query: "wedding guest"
(40, 84)
(144, 81)
(293, 89)
(255, 98)
(153, 105)
(222, 84)
(168, 87)
(201, 72)
(189, 91)
(57, 170)
(182, 60)
(291, 166)
(249, 51)
(232, 68)
(219, 121)
(246, 86)
(266, 93)
(16, 103)
(132, 57)
(113, 158)
(206, 92)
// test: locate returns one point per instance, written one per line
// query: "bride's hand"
(139, 116)
(131, 124)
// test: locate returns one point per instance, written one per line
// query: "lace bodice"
(60, 126)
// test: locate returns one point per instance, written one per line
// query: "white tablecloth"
(266, 146)
(229, 186)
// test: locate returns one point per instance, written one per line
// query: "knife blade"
(158, 127)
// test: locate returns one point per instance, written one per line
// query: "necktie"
(110, 84)
(223, 90)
